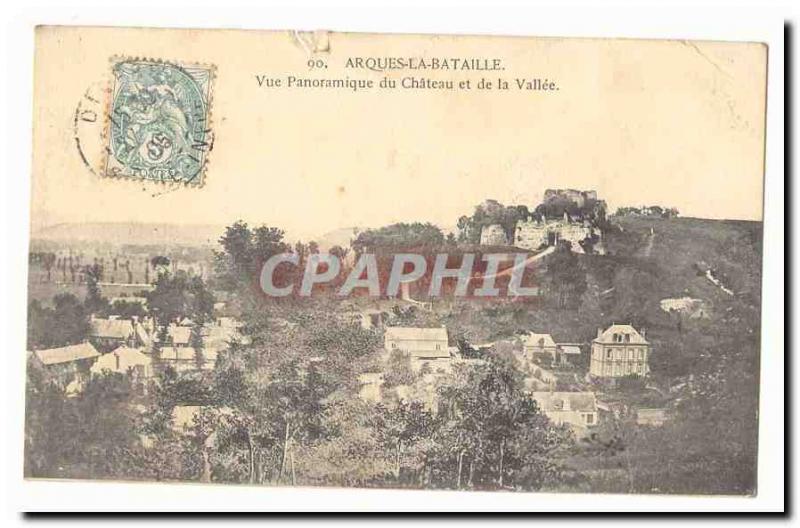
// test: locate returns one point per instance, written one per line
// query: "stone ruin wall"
(493, 235)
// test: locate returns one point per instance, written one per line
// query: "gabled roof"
(53, 356)
(607, 337)
(142, 334)
(539, 340)
(120, 360)
(111, 328)
(556, 401)
(177, 353)
(180, 335)
(416, 334)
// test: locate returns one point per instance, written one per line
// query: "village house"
(421, 345)
(111, 332)
(568, 353)
(179, 336)
(577, 409)
(619, 351)
(66, 364)
(539, 346)
(124, 360)
(187, 359)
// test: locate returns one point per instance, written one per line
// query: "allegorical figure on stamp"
(159, 120)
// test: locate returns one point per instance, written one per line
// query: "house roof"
(142, 334)
(416, 334)
(555, 401)
(120, 359)
(570, 349)
(53, 356)
(543, 340)
(180, 335)
(607, 337)
(177, 353)
(111, 328)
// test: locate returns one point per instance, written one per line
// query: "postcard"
(432, 262)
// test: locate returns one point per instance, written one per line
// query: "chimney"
(599, 332)
(643, 331)
(566, 406)
(116, 357)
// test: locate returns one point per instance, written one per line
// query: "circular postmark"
(88, 126)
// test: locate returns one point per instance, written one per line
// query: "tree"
(160, 264)
(127, 309)
(95, 302)
(243, 251)
(401, 425)
(493, 424)
(67, 323)
(416, 235)
(93, 435)
(49, 260)
(278, 390)
(398, 370)
(179, 296)
(564, 280)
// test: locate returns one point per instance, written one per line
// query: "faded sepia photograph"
(406, 261)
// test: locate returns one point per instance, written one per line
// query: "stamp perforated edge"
(196, 182)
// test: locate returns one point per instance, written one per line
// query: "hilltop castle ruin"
(564, 214)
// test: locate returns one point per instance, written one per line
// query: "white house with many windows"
(619, 351)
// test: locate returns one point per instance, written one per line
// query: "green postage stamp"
(159, 117)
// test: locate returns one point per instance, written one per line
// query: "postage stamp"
(159, 121)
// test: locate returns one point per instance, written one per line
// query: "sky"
(675, 123)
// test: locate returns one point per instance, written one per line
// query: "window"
(627, 338)
(589, 419)
(438, 347)
(394, 345)
(608, 354)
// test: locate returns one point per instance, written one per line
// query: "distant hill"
(131, 233)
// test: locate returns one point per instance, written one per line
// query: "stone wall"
(493, 235)
(532, 234)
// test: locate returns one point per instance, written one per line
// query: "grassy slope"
(639, 282)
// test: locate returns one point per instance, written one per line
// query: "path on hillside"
(508, 271)
(647, 250)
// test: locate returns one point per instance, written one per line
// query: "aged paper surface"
(401, 261)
